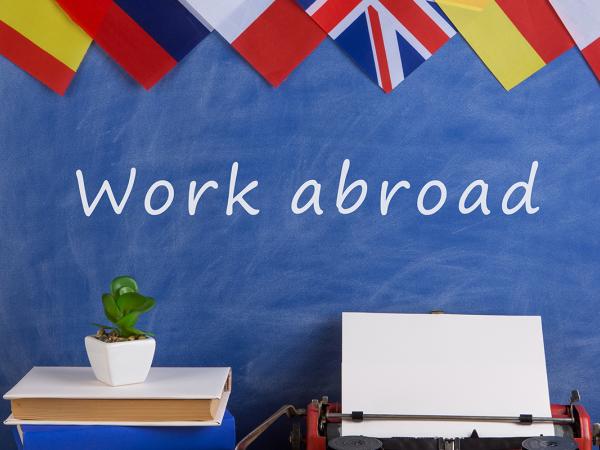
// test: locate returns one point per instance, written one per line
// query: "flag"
(274, 36)
(514, 38)
(146, 37)
(39, 38)
(582, 19)
(388, 39)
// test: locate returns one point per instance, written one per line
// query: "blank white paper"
(443, 364)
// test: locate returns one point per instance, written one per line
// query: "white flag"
(582, 19)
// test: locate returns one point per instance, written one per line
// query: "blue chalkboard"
(265, 293)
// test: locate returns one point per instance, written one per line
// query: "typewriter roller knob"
(355, 443)
(596, 433)
(549, 443)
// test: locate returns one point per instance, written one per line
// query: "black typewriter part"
(474, 442)
(477, 443)
(573, 400)
(596, 434)
(323, 406)
(355, 443)
(287, 410)
(548, 443)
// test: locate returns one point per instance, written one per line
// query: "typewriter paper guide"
(443, 364)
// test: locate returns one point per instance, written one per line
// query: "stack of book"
(176, 408)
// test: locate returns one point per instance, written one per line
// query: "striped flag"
(39, 38)
(388, 39)
(147, 38)
(582, 19)
(514, 38)
(274, 36)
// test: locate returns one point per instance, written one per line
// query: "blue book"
(103, 437)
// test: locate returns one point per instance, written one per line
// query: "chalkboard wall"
(264, 293)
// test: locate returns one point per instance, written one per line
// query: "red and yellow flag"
(39, 38)
(514, 38)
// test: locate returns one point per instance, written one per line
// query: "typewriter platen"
(317, 427)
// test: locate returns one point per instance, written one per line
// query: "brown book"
(71, 394)
(64, 409)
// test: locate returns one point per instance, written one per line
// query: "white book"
(168, 387)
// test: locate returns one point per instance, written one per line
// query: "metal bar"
(287, 410)
(511, 419)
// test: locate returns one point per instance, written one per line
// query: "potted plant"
(120, 353)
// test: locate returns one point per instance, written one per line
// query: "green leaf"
(128, 320)
(124, 332)
(123, 285)
(134, 302)
(131, 331)
(111, 309)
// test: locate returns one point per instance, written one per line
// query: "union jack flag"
(389, 39)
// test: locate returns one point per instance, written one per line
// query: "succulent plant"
(123, 307)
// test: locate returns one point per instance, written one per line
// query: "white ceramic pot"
(120, 363)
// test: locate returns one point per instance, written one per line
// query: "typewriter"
(322, 420)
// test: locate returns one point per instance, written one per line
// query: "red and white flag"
(582, 19)
(274, 36)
